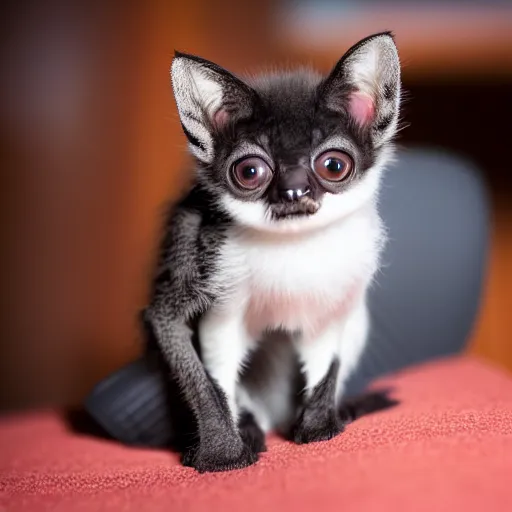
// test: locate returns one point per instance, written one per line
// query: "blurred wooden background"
(91, 150)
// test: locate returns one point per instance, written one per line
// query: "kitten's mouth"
(302, 207)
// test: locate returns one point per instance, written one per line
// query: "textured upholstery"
(446, 447)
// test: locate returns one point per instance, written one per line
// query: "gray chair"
(425, 300)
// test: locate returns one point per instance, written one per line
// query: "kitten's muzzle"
(303, 205)
(293, 195)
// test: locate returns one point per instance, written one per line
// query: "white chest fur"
(299, 281)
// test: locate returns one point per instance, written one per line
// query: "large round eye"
(333, 166)
(251, 173)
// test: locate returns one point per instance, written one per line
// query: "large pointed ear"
(208, 98)
(365, 84)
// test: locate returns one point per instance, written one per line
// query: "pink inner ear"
(361, 108)
(220, 118)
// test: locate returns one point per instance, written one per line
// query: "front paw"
(225, 458)
(251, 433)
(312, 427)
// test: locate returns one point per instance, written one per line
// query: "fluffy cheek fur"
(334, 207)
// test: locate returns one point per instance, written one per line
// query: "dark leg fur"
(318, 419)
(218, 445)
(195, 233)
(251, 433)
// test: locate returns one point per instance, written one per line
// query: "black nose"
(294, 194)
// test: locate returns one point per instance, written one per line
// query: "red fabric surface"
(448, 446)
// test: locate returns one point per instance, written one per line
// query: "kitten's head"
(292, 151)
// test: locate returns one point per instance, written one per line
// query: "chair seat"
(447, 446)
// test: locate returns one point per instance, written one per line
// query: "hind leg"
(327, 363)
(317, 419)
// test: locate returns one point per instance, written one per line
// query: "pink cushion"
(448, 446)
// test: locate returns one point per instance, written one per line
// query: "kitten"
(280, 233)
